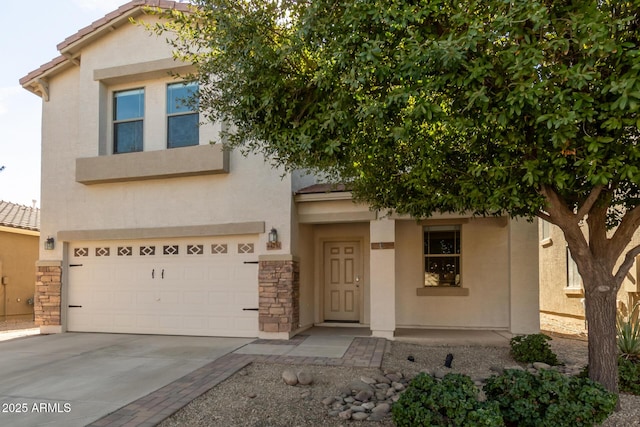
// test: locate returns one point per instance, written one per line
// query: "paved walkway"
(300, 350)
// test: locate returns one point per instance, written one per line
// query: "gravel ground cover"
(258, 397)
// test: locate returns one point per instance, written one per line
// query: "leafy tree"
(525, 108)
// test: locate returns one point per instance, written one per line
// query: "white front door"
(342, 280)
(190, 286)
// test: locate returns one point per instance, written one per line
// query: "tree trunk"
(600, 301)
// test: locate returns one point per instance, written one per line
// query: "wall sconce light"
(49, 244)
(273, 242)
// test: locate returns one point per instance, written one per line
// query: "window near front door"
(182, 115)
(442, 255)
(128, 115)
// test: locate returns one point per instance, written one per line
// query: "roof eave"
(71, 47)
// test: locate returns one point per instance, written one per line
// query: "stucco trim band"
(383, 245)
(141, 71)
(336, 217)
(176, 162)
(442, 291)
(278, 257)
(234, 228)
(43, 263)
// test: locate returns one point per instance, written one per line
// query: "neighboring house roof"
(70, 48)
(19, 216)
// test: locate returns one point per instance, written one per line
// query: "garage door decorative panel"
(125, 251)
(102, 251)
(81, 252)
(195, 249)
(147, 250)
(218, 248)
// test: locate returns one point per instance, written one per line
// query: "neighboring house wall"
(561, 292)
(18, 255)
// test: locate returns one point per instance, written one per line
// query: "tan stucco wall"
(562, 309)
(77, 123)
(18, 255)
(306, 254)
(484, 271)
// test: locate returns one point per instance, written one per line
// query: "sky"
(29, 33)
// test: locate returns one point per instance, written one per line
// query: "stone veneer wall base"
(47, 301)
(279, 298)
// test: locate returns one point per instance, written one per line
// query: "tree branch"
(556, 207)
(585, 208)
(597, 222)
(626, 264)
(544, 216)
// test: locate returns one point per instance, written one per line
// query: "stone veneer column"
(279, 296)
(48, 296)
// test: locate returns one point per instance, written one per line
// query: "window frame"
(181, 114)
(115, 121)
(574, 279)
(457, 281)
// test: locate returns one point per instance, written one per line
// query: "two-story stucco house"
(154, 229)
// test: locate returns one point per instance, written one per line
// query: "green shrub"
(450, 402)
(549, 399)
(629, 375)
(533, 348)
(628, 332)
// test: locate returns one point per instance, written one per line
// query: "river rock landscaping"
(258, 395)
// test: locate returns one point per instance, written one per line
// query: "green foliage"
(629, 374)
(449, 402)
(628, 328)
(533, 348)
(489, 107)
(549, 399)
(414, 99)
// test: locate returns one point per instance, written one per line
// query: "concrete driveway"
(73, 379)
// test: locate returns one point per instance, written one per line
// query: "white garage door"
(191, 286)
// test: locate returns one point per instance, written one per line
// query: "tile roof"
(105, 21)
(19, 216)
(122, 10)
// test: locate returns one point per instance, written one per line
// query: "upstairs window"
(128, 115)
(442, 255)
(182, 115)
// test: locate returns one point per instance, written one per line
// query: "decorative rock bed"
(372, 397)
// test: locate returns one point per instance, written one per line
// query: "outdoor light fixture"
(49, 244)
(273, 240)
